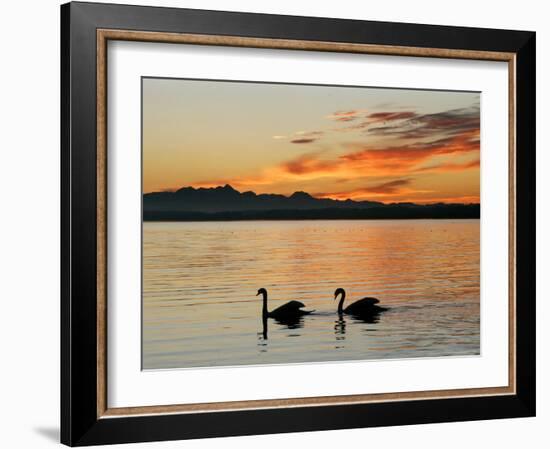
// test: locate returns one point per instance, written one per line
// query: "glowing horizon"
(388, 145)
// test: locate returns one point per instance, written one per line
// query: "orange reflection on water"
(200, 281)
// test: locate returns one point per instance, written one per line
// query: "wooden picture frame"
(85, 417)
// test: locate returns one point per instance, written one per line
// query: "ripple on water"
(200, 281)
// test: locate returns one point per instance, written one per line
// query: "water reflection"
(340, 324)
(264, 324)
(340, 327)
(289, 323)
(199, 309)
(294, 322)
(368, 318)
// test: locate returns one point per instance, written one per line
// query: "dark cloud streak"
(303, 140)
(450, 122)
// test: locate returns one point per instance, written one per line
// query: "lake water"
(200, 280)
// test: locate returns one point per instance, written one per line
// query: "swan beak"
(257, 293)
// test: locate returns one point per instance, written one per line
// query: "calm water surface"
(200, 281)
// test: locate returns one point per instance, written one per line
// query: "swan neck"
(341, 302)
(264, 306)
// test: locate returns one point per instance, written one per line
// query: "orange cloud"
(365, 162)
(346, 116)
(388, 187)
(407, 158)
(417, 144)
(309, 163)
(384, 190)
(450, 167)
(389, 116)
(399, 194)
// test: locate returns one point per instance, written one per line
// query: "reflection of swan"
(287, 313)
(264, 325)
(340, 328)
(365, 308)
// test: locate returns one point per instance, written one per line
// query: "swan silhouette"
(287, 313)
(363, 308)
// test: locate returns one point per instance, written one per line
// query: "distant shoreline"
(190, 220)
(227, 204)
(435, 212)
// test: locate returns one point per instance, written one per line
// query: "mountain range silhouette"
(226, 203)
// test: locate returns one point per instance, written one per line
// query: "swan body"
(290, 310)
(363, 307)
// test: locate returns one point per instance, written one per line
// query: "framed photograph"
(283, 224)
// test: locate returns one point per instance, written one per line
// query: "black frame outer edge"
(65, 227)
(79, 423)
(526, 223)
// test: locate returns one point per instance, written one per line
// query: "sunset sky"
(387, 145)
